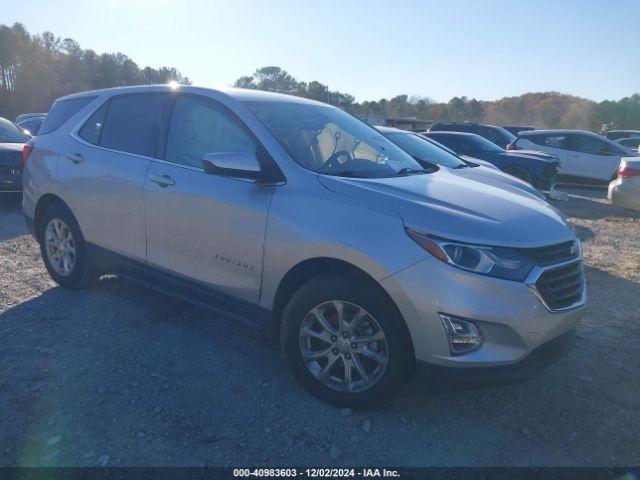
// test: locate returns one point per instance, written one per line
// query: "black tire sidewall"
(81, 269)
(370, 297)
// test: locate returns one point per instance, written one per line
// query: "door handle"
(162, 180)
(76, 158)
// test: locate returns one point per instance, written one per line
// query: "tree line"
(37, 69)
(543, 110)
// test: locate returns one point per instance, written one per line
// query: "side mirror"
(233, 164)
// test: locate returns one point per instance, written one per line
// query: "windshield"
(9, 133)
(327, 140)
(425, 150)
(485, 145)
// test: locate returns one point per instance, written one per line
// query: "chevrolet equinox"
(293, 214)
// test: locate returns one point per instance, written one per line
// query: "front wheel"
(63, 248)
(345, 342)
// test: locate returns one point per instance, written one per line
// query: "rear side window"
(131, 123)
(553, 141)
(92, 129)
(61, 111)
(199, 126)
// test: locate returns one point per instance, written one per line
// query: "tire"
(79, 272)
(521, 173)
(359, 298)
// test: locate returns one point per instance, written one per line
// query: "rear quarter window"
(61, 111)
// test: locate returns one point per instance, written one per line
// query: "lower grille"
(562, 287)
(10, 170)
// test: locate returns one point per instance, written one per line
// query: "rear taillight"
(625, 171)
(511, 146)
(26, 151)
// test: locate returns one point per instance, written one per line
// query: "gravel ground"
(118, 375)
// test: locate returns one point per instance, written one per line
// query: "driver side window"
(199, 126)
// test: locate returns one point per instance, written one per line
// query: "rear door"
(200, 226)
(102, 170)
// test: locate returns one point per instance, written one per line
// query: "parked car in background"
(25, 116)
(624, 191)
(516, 129)
(585, 157)
(497, 135)
(12, 141)
(292, 214)
(429, 152)
(618, 134)
(31, 125)
(539, 171)
(632, 143)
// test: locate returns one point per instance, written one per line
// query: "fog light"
(463, 335)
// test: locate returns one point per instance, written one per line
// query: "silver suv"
(294, 215)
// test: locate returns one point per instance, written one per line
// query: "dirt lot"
(117, 375)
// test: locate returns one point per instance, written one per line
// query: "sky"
(487, 49)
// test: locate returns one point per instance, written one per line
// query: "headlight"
(497, 262)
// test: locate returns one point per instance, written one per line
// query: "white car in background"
(624, 191)
(585, 157)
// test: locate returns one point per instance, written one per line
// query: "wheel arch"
(44, 202)
(309, 268)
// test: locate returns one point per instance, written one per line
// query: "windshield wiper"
(411, 171)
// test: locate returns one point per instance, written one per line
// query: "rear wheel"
(63, 248)
(521, 173)
(345, 342)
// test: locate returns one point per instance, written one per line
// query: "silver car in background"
(292, 214)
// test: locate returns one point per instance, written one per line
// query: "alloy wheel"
(343, 346)
(60, 247)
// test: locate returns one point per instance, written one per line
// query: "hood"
(548, 157)
(15, 147)
(448, 205)
(478, 161)
(11, 154)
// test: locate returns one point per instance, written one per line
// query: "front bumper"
(537, 360)
(512, 320)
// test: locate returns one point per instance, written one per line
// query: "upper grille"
(562, 287)
(551, 254)
(10, 157)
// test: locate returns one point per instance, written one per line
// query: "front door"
(200, 226)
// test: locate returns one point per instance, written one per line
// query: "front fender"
(317, 223)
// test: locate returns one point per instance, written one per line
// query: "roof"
(238, 94)
(558, 132)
